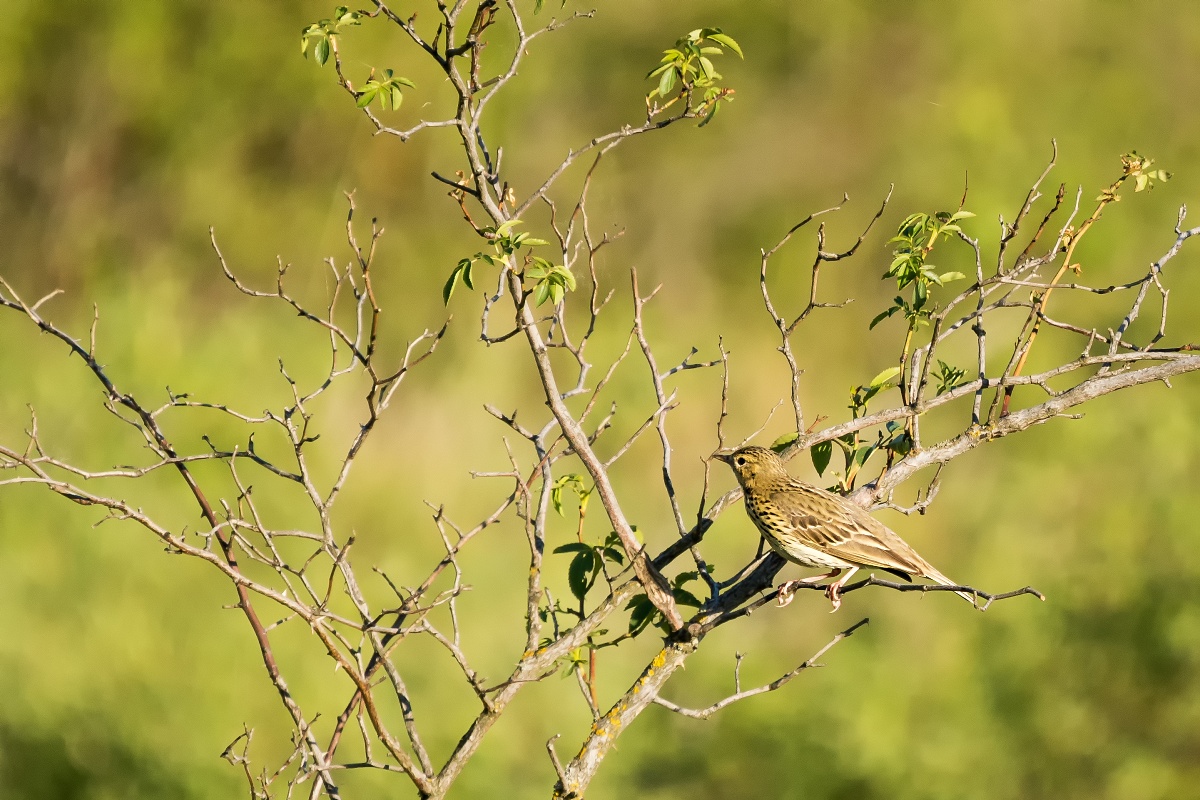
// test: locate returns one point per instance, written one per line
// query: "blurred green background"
(127, 129)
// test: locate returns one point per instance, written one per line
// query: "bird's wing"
(830, 523)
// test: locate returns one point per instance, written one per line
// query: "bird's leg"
(787, 589)
(834, 590)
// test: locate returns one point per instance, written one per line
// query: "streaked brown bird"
(816, 528)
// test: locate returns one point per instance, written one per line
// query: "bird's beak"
(726, 457)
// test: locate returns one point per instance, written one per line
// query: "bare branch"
(778, 683)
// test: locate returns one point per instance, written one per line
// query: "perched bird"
(816, 528)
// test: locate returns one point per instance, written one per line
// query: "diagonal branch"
(778, 683)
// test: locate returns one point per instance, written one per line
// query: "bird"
(813, 527)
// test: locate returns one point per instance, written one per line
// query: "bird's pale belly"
(807, 556)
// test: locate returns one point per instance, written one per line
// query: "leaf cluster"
(572, 482)
(388, 90)
(550, 281)
(861, 395)
(589, 561)
(687, 67)
(319, 36)
(948, 377)
(913, 242)
(895, 439)
(1138, 167)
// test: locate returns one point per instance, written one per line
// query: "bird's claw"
(834, 596)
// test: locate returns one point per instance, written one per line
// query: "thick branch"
(1089, 389)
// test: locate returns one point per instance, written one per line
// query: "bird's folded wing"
(849, 533)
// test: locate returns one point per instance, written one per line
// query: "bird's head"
(752, 464)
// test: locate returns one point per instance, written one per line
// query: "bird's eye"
(741, 461)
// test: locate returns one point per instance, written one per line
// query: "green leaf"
(784, 441)
(569, 481)
(913, 224)
(573, 661)
(726, 40)
(865, 393)
(881, 317)
(863, 454)
(848, 443)
(321, 51)
(948, 377)
(946, 277)
(451, 283)
(541, 293)
(568, 279)
(684, 577)
(573, 547)
(901, 444)
(614, 555)
(884, 377)
(667, 82)
(641, 612)
(582, 572)
(821, 453)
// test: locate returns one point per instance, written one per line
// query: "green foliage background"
(126, 129)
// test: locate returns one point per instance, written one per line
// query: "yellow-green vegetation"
(127, 129)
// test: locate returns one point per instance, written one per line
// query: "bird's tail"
(939, 578)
